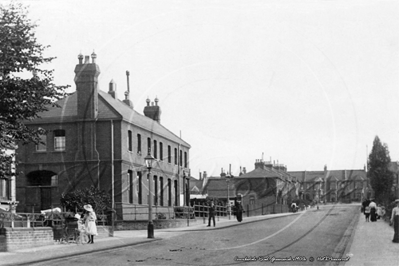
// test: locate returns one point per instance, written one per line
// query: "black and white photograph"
(199, 132)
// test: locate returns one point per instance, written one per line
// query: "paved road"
(312, 234)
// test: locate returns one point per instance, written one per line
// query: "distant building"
(271, 183)
(96, 139)
(259, 190)
(332, 185)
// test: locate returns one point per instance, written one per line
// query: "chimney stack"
(127, 93)
(153, 111)
(112, 89)
(86, 80)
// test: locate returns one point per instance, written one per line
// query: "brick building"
(96, 139)
(260, 190)
(333, 185)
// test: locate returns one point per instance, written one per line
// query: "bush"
(161, 216)
(74, 201)
(184, 212)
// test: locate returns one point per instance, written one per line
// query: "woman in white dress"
(90, 223)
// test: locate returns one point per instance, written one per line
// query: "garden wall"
(22, 237)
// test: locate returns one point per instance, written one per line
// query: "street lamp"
(148, 163)
(228, 195)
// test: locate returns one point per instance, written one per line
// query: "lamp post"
(228, 195)
(148, 163)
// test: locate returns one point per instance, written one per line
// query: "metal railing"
(9, 219)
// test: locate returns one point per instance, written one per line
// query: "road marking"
(263, 239)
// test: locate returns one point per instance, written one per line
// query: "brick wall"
(19, 238)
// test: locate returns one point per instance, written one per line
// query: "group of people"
(237, 211)
(87, 224)
(372, 211)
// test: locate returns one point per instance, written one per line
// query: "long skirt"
(373, 215)
(91, 228)
(396, 229)
(239, 216)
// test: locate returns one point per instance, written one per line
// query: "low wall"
(19, 238)
(158, 224)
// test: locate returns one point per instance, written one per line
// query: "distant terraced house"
(333, 185)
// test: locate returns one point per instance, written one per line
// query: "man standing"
(239, 211)
(211, 214)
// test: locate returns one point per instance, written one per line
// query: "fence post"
(188, 216)
(203, 213)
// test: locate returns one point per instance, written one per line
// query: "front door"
(45, 199)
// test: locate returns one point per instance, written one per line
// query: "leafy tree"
(98, 199)
(381, 178)
(26, 88)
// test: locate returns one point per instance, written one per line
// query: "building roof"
(338, 175)
(195, 185)
(261, 173)
(108, 108)
(216, 187)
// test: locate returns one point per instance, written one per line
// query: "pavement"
(370, 243)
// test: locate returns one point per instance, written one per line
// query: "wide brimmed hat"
(77, 216)
(397, 200)
(88, 208)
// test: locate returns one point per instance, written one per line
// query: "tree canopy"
(381, 178)
(26, 87)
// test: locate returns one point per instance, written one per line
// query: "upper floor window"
(181, 158)
(169, 154)
(42, 145)
(185, 159)
(176, 156)
(155, 149)
(148, 145)
(59, 140)
(138, 143)
(161, 151)
(129, 140)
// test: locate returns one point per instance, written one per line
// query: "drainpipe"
(112, 181)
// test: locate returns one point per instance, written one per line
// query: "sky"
(301, 83)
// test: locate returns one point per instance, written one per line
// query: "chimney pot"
(93, 57)
(80, 57)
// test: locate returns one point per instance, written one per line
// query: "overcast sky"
(305, 83)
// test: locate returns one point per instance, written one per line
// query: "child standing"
(367, 213)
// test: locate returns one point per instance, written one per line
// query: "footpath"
(371, 244)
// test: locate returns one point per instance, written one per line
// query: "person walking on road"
(373, 211)
(211, 214)
(90, 223)
(395, 222)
